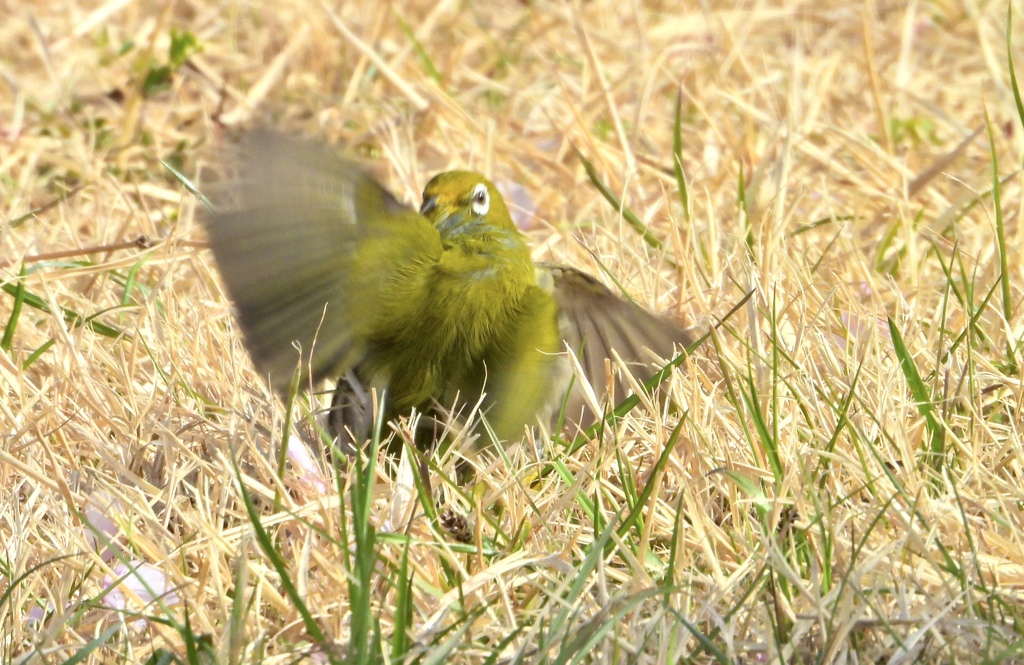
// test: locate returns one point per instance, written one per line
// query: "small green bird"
(436, 310)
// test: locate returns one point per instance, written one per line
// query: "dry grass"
(812, 510)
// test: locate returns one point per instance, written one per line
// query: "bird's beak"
(428, 205)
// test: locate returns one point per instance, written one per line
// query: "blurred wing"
(594, 321)
(308, 251)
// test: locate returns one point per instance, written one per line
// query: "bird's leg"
(350, 420)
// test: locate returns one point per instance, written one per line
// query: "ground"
(830, 191)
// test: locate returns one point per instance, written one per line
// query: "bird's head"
(465, 203)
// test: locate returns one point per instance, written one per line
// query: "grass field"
(843, 481)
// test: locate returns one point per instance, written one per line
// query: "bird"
(436, 310)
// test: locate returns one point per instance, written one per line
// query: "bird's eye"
(481, 201)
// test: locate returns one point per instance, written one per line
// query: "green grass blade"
(810, 226)
(572, 596)
(921, 396)
(752, 489)
(53, 203)
(12, 320)
(403, 607)
(744, 207)
(189, 185)
(71, 316)
(776, 380)
(499, 648)
(99, 641)
(659, 468)
(841, 409)
(364, 557)
(627, 480)
(706, 642)
(442, 654)
(277, 561)
(428, 64)
(764, 432)
(1009, 63)
(616, 203)
(129, 282)
(677, 157)
(1004, 274)
(34, 356)
(582, 640)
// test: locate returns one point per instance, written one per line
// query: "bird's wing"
(594, 322)
(309, 247)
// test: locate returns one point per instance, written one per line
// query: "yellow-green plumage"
(432, 309)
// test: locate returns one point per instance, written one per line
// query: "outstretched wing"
(307, 252)
(594, 322)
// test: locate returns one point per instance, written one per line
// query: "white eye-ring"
(481, 199)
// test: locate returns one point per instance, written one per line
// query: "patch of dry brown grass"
(797, 518)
